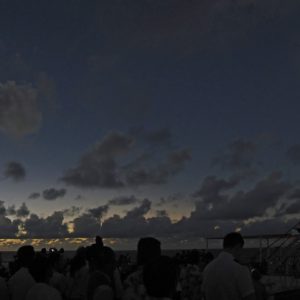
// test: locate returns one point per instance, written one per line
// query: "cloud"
(98, 167)
(99, 211)
(11, 210)
(293, 154)
(133, 224)
(243, 205)
(86, 225)
(102, 166)
(8, 228)
(53, 194)
(2, 208)
(72, 211)
(140, 210)
(174, 163)
(239, 156)
(49, 227)
(34, 196)
(19, 112)
(212, 187)
(15, 171)
(22, 211)
(123, 200)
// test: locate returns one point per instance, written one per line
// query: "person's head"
(25, 255)
(41, 269)
(99, 241)
(233, 242)
(148, 249)
(160, 277)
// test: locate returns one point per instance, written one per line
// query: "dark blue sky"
(179, 108)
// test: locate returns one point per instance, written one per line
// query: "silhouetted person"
(102, 264)
(148, 249)
(58, 279)
(99, 241)
(41, 271)
(78, 275)
(160, 278)
(224, 278)
(20, 283)
(191, 277)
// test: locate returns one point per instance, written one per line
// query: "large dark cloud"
(134, 223)
(53, 194)
(8, 228)
(212, 187)
(159, 174)
(102, 166)
(89, 223)
(99, 212)
(98, 168)
(15, 171)
(243, 205)
(49, 227)
(19, 112)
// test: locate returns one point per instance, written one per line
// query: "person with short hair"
(41, 271)
(226, 279)
(20, 283)
(148, 249)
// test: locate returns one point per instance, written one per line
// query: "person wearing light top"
(20, 283)
(224, 278)
(41, 271)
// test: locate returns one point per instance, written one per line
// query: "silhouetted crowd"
(94, 273)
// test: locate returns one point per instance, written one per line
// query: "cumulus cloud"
(159, 174)
(53, 194)
(34, 196)
(123, 200)
(15, 171)
(98, 167)
(22, 211)
(98, 212)
(19, 112)
(11, 210)
(293, 154)
(2, 208)
(86, 225)
(49, 227)
(243, 205)
(8, 228)
(211, 188)
(72, 211)
(102, 166)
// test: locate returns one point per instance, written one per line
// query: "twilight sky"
(176, 119)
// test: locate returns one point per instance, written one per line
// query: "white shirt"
(42, 291)
(20, 283)
(225, 279)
